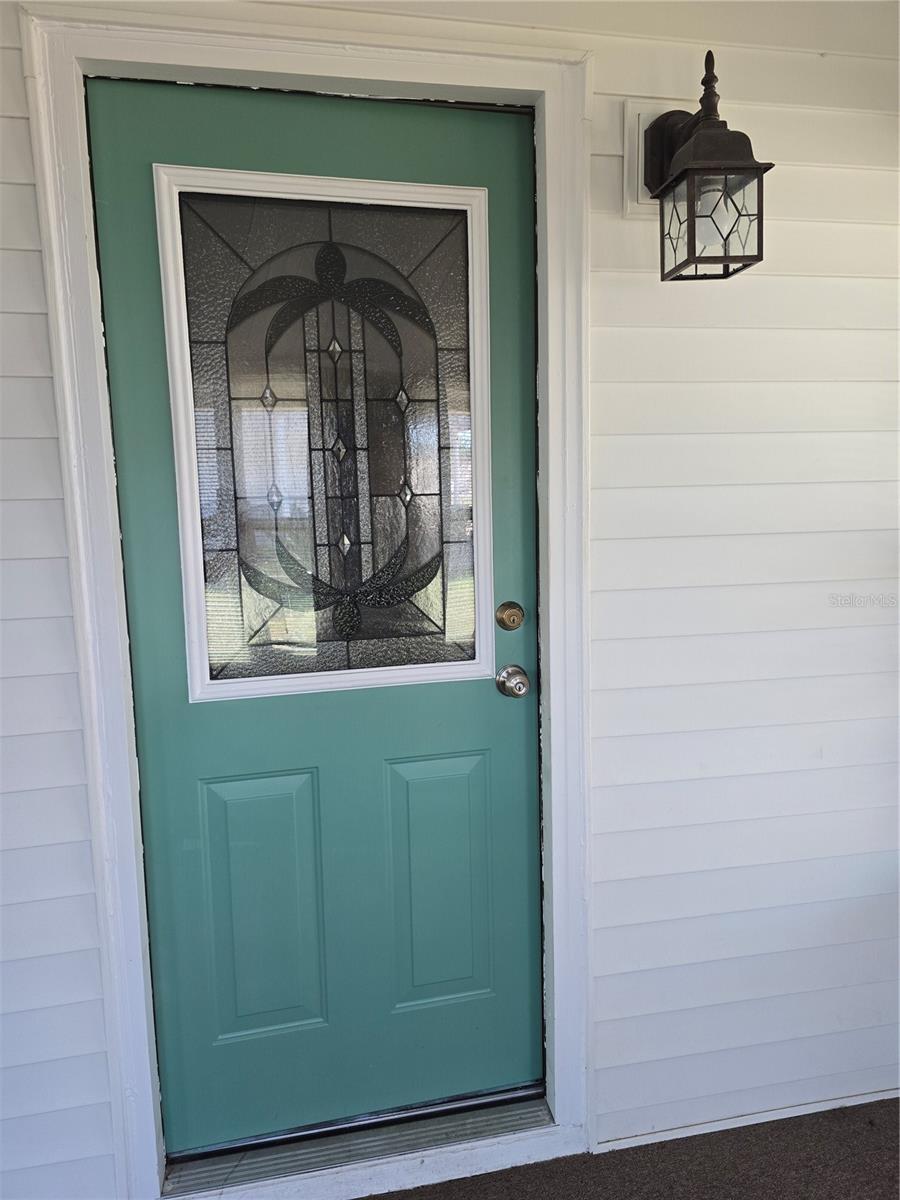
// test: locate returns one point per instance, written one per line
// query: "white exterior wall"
(55, 1138)
(743, 829)
(743, 810)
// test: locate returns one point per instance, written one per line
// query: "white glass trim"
(169, 182)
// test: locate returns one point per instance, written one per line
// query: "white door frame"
(63, 44)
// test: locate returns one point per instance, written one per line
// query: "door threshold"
(493, 1117)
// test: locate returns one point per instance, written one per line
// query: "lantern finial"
(709, 101)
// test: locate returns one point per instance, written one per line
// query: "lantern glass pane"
(743, 194)
(715, 215)
(675, 223)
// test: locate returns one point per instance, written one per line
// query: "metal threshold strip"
(376, 1135)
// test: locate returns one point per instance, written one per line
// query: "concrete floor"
(843, 1154)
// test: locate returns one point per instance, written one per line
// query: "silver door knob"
(513, 681)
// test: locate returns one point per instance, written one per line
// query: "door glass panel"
(330, 370)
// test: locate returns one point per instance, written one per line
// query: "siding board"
(61, 1137)
(777, 354)
(23, 282)
(745, 1067)
(18, 217)
(745, 1023)
(627, 712)
(668, 943)
(792, 248)
(751, 558)
(29, 469)
(43, 982)
(41, 760)
(46, 927)
(63, 1083)
(726, 1107)
(51, 1033)
(661, 662)
(32, 529)
(12, 84)
(722, 608)
(634, 300)
(824, 136)
(735, 797)
(757, 840)
(637, 512)
(84, 1179)
(670, 406)
(24, 344)
(715, 752)
(34, 588)
(698, 985)
(792, 193)
(43, 817)
(691, 459)
(26, 408)
(45, 872)
(43, 646)
(15, 151)
(39, 704)
(670, 897)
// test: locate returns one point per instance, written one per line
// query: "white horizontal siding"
(32, 529)
(729, 980)
(674, 511)
(33, 983)
(83, 1179)
(724, 608)
(685, 802)
(823, 135)
(26, 408)
(797, 192)
(39, 928)
(634, 300)
(43, 817)
(55, 1134)
(812, 248)
(744, 625)
(18, 217)
(759, 406)
(737, 889)
(71, 1082)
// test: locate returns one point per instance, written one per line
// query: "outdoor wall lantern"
(710, 190)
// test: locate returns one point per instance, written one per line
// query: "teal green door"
(343, 881)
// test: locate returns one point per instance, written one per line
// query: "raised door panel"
(263, 869)
(441, 877)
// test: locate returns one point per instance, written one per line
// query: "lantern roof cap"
(678, 141)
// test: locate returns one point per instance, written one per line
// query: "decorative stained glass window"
(330, 368)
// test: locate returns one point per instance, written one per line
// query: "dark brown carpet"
(843, 1154)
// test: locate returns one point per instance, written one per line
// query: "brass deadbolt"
(510, 615)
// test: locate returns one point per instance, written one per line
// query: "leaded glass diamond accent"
(337, 484)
